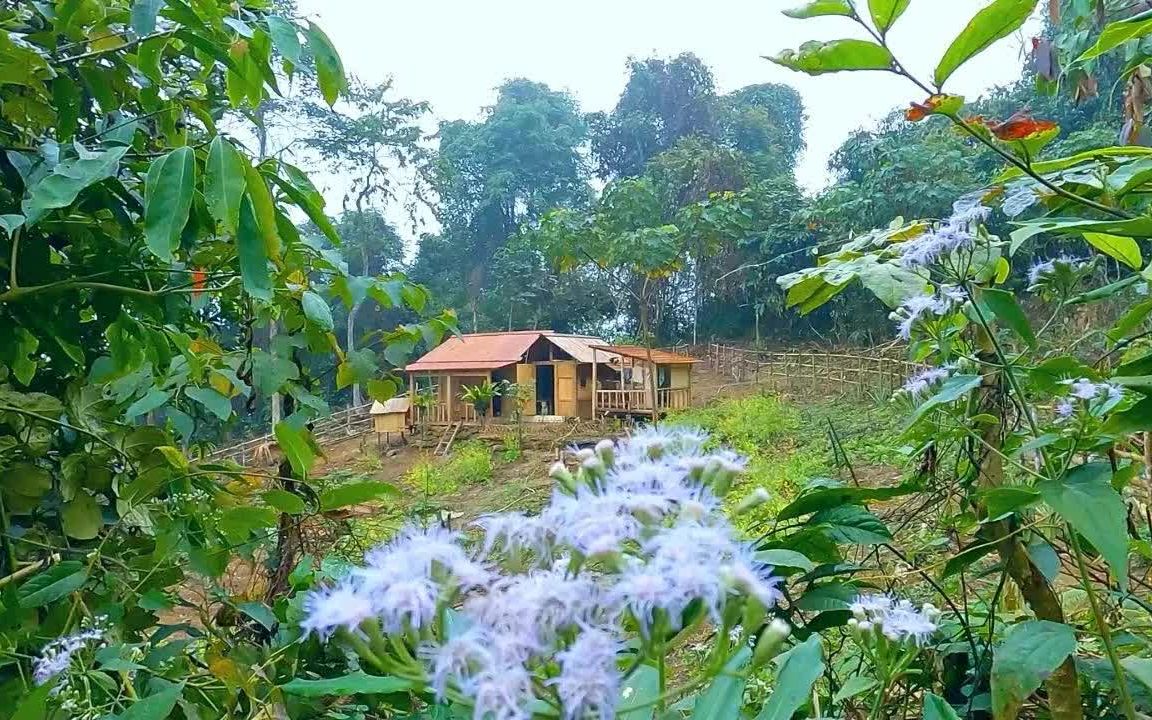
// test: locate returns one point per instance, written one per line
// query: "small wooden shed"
(391, 416)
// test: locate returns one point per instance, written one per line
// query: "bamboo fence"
(343, 424)
(868, 372)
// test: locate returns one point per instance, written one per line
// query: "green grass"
(787, 445)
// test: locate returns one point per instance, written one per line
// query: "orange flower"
(198, 278)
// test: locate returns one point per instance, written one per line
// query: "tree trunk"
(1063, 685)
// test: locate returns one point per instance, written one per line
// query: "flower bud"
(754, 613)
(560, 473)
(771, 642)
(585, 454)
(593, 468)
(758, 497)
(606, 449)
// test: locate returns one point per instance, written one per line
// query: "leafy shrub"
(469, 464)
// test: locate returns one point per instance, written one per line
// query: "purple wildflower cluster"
(956, 233)
(631, 538)
(920, 307)
(898, 621)
(1045, 269)
(56, 656)
(919, 384)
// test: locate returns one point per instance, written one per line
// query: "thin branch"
(126, 46)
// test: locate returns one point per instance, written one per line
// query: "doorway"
(545, 390)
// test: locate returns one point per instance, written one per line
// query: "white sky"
(454, 53)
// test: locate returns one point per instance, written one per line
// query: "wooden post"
(595, 390)
(690, 369)
(449, 399)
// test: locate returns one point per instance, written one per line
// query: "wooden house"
(557, 376)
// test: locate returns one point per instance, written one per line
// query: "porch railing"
(438, 414)
(641, 400)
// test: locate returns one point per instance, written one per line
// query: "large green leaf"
(144, 16)
(1136, 227)
(153, 399)
(168, 200)
(1139, 668)
(1137, 418)
(937, 708)
(56, 582)
(250, 247)
(224, 183)
(285, 501)
(799, 669)
(285, 38)
(61, 187)
(329, 68)
(951, 390)
(216, 403)
(780, 557)
(820, 8)
(316, 309)
(1117, 247)
(824, 498)
(830, 596)
(263, 210)
(80, 517)
(355, 493)
(638, 694)
(297, 447)
(999, 20)
(1003, 305)
(153, 707)
(1029, 653)
(350, 684)
(34, 705)
(1085, 498)
(852, 525)
(311, 207)
(885, 13)
(817, 58)
(1116, 34)
(1046, 167)
(724, 697)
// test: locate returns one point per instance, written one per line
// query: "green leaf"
(297, 447)
(250, 247)
(966, 557)
(1137, 418)
(951, 390)
(381, 390)
(937, 708)
(239, 523)
(1008, 498)
(1131, 320)
(62, 186)
(168, 200)
(799, 669)
(779, 557)
(329, 68)
(1029, 654)
(852, 525)
(829, 596)
(56, 582)
(153, 399)
(316, 309)
(725, 696)
(216, 403)
(885, 13)
(34, 705)
(357, 683)
(259, 612)
(1085, 498)
(355, 494)
(817, 58)
(144, 16)
(1123, 249)
(1136, 227)
(80, 517)
(1139, 668)
(811, 502)
(999, 20)
(285, 501)
(9, 223)
(820, 8)
(285, 38)
(263, 210)
(1116, 34)
(856, 685)
(224, 183)
(314, 211)
(639, 694)
(1003, 305)
(153, 707)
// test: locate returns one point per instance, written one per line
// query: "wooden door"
(565, 388)
(526, 381)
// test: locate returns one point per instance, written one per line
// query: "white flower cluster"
(1085, 389)
(56, 656)
(896, 620)
(919, 384)
(958, 232)
(918, 307)
(631, 539)
(1047, 268)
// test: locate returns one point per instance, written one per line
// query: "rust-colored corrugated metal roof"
(660, 357)
(479, 351)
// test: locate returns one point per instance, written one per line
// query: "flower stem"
(1102, 626)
